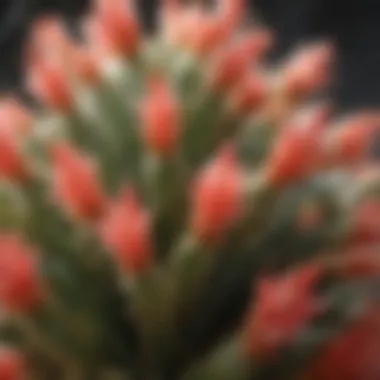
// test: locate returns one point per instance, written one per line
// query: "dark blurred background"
(353, 25)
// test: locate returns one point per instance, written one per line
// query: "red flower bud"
(75, 183)
(249, 93)
(14, 117)
(119, 24)
(282, 307)
(353, 355)
(237, 59)
(19, 285)
(85, 66)
(348, 143)
(308, 69)
(298, 151)
(12, 365)
(217, 198)
(160, 118)
(47, 80)
(12, 164)
(126, 232)
(49, 39)
(195, 29)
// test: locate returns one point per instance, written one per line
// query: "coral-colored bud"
(298, 151)
(75, 183)
(249, 94)
(14, 117)
(353, 355)
(308, 70)
(119, 24)
(236, 60)
(84, 66)
(195, 29)
(12, 365)
(282, 307)
(232, 11)
(12, 163)
(160, 116)
(48, 82)
(49, 39)
(19, 285)
(99, 42)
(349, 142)
(217, 197)
(125, 230)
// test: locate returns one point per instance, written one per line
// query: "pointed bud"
(308, 69)
(348, 143)
(14, 116)
(125, 230)
(84, 66)
(19, 283)
(119, 24)
(48, 82)
(249, 94)
(232, 12)
(100, 43)
(298, 151)
(196, 30)
(49, 39)
(282, 307)
(75, 184)
(12, 163)
(160, 116)
(12, 365)
(353, 355)
(238, 58)
(217, 198)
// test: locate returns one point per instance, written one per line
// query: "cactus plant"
(175, 208)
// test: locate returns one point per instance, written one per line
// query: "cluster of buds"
(157, 169)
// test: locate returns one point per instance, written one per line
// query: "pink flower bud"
(217, 198)
(308, 70)
(125, 230)
(75, 183)
(119, 24)
(353, 355)
(298, 151)
(232, 11)
(282, 307)
(12, 163)
(19, 285)
(12, 365)
(237, 59)
(160, 118)
(15, 117)
(47, 80)
(195, 29)
(49, 39)
(348, 143)
(249, 94)
(85, 66)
